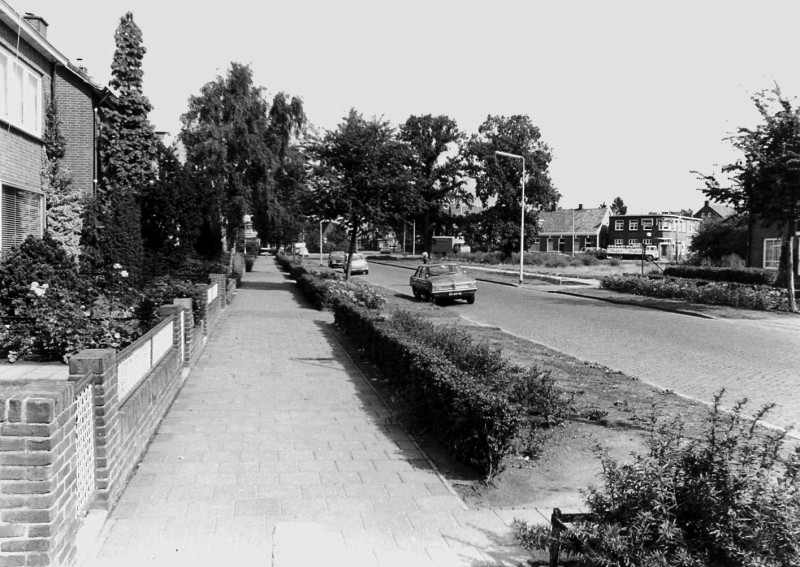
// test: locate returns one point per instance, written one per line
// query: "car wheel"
(366, 273)
(649, 258)
(471, 299)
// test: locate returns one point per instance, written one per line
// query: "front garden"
(50, 309)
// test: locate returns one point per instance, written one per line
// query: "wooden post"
(555, 537)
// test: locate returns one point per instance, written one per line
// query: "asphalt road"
(691, 356)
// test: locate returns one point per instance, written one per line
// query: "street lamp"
(522, 203)
(320, 242)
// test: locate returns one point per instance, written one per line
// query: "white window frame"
(633, 224)
(633, 242)
(618, 242)
(772, 253)
(20, 85)
(647, 241)
(647, 224)
(619, 225)
(22, 221)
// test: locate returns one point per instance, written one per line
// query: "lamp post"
(320, 242)
(522, 206)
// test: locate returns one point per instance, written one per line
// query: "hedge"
(762, 298)
(475, 423)
(750, 276)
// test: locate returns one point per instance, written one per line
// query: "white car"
(358, 264)
(301, 250)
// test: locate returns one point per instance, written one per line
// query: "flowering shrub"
(715, 293)
(734, 275)
(48, 310)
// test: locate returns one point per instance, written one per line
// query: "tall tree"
(128, 153)
(278, 214)
(64, 207)
(225, 136)
(360, 175)
(765, 183)
(497, 178)
(717, 239)
(435, 143)
(618, 206)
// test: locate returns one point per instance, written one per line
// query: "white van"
(301, 250)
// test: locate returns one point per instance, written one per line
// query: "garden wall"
(69, 446)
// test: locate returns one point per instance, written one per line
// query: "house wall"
(74, 99)
(755, 245)
(21, 154)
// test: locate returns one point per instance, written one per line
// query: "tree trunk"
(790, 267)
(353, 240)
(426, 246)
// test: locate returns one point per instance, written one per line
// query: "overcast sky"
(631, 95)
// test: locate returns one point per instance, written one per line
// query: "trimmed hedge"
(751, 276)
(474, 422)
(762, 298)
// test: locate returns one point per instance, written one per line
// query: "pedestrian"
(424, 257)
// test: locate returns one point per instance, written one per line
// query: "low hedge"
(762, 298)
(477, 424)
(751, 276)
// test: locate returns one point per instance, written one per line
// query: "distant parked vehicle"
(336, 259)
(443, 281)
(449, 245)
(358, 265)
(633, 252)
(301, 250)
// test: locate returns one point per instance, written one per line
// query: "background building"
(672, 233)
(569, 230)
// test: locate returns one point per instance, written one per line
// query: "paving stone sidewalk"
(277, 432)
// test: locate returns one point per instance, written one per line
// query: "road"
(691, 356)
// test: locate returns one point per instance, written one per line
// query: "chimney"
(706, 203)
(37, 22)
(580, 206)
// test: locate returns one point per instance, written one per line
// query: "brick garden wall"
(70, 445)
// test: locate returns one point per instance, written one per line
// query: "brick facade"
(670, 232)
(76, 97)
(757, 234)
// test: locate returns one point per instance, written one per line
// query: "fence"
(69, 445)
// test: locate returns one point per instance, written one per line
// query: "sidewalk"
(277, 445)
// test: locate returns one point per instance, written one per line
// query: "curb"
(636, 304)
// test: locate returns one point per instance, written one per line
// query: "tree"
(497, 178)
(765, 183)
(360, 175)
(718, 238)
(278, 210)
(618, 206)
(128, 152)
(436, 166)
(64, 207)
(226, 139)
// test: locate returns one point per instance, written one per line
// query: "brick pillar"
(179, 332)
(222, 288)
(38, 517)
(188, 327)
(102, 364)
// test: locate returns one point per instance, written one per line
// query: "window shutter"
(21, 216)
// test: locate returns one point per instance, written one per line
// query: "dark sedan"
(438, 282)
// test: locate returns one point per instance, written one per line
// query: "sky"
(631, 96)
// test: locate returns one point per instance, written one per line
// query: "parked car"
(301, 250)
(443, 281)
(336, 260)
(358, 265)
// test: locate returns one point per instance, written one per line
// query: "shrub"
(714, 293)
(731, 498)
(161, 291)
(750, 276)
(248, 263)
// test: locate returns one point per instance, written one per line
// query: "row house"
(765, 243)
(672, 233)
(569, 230)
(32, 73)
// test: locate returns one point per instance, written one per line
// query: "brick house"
(32, 72)
(764, 246)
(671, 232)
(569, 230)
(714, 211)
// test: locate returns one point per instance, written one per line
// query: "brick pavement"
(276, 428)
